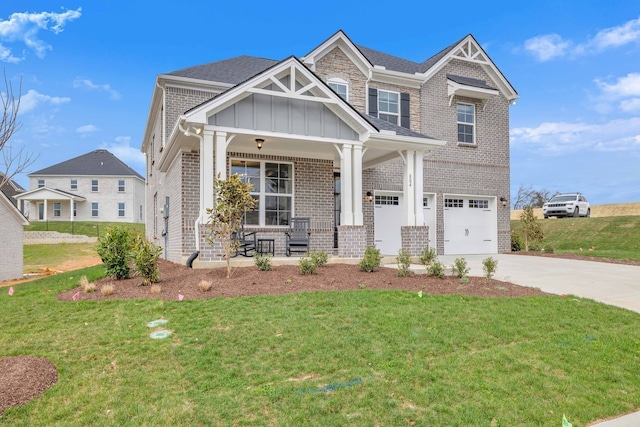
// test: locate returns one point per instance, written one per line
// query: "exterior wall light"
(259, 142)
(503, 201)
(369, 196)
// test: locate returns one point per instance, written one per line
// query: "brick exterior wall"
(336, 64)
(11, 229)
(352, 241)
(179, 99)
(414, 239)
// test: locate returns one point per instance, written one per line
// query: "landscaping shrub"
(204, 285)
(460, 268)
(371, 259)
(427, 256)
(516, 242)
(489, 267)
(145, 259)
(307, 266)
(262, 262)
(436, 269)
(107, 290)
(319, 257)
(114, 248)
(404, 262)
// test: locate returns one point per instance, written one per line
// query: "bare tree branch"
(14, 161)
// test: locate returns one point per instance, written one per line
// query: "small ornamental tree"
(530, 227)
(232, 201)
(114, 248)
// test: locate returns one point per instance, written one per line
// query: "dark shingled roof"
(467, 81)
(95, 163)
(233, 71)
(10, 189)
(399, 130)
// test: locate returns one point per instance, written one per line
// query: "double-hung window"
(121, 185)
(40, 183)
(466, 123)
(340, 87)
(57, 209)
(389, 106)
(94, 209)
(272, 189)
(94, 185)
(121, 209)
(74, 184)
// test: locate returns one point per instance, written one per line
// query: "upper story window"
(94, 185)
(121, 185)
(340, 87)
(272, 188)
(389, 106)
(466, 123)
(74, 184)
(40, 183)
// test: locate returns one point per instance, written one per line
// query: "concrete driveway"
(613, 284)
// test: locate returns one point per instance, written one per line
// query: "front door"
(41, 211)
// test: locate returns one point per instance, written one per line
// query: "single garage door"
(387, 222)
(470, 225)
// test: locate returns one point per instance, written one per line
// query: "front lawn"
(328, 358)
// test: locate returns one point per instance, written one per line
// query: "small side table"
(266, 247)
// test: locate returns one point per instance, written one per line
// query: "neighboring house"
(96, 186)
(375, 149)
(11, 229)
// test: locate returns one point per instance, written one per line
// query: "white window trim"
(342, 82)
(475, 129)
(97, 186)
(124, 186)
(124, 209)
(98, 210)
(71, 185)
(57, 211)
(261, 194)
(387, 112)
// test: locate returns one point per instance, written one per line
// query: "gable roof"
(13, 209)
(10, 189)
(95, 163)
(50, 194)
(232, 71)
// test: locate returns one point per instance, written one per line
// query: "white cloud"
(626, 86)
(89, 85)
(631, 106)
(551, 46)
(547, 47)
(121, 148)
(32, 99)
(562, 137)
(24, 27)
(86, 129)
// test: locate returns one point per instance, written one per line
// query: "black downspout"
(192, 258)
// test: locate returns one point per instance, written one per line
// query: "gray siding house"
(96, 186)
(375, 149)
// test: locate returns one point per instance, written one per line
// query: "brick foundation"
(352, 241)
(414, 239)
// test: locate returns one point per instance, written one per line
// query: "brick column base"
(352, 241)
(414, 239)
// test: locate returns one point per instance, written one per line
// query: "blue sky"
(88, 70)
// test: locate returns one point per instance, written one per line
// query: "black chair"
(247, 242)
(298, 236)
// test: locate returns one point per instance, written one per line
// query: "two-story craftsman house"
(375, 149)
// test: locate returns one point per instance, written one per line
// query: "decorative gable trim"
(469, 50)
(341, 41)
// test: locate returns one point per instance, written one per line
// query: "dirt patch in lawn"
(176, 279)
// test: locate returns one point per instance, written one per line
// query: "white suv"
(571, 204)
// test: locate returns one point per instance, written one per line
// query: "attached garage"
(470, 225)
(388, 214)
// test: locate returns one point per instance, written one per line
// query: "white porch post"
(357, 185)
(221, 155)
(419, 187)
(409, 188)
(206, 171)
(346, 174)
(44, 217)
(71, 209)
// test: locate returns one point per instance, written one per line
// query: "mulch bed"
(23, 378)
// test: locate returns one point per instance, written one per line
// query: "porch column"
(357, 185)
(44, 216)
(408, 188)
(221, 155)
(346, 175)
(419, 187)
(71, 210)
(206, 171)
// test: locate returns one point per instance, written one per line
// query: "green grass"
(611, 237)
(87, 228)
(37, 257)
(328, 358)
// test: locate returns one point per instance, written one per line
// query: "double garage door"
(469, 223)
